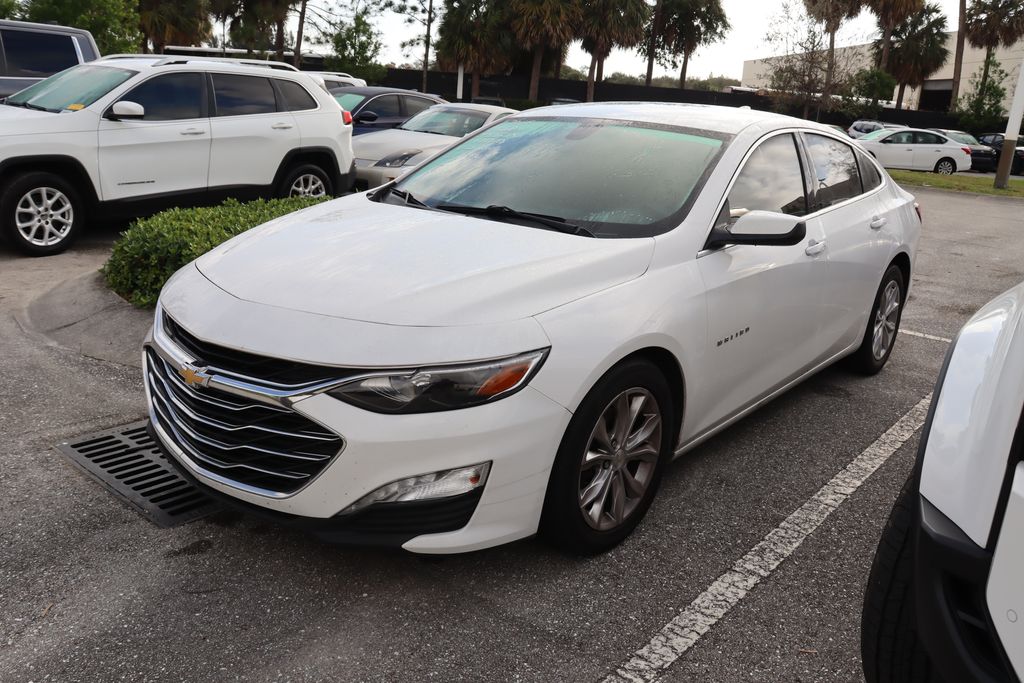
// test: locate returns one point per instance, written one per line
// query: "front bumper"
(369, 176)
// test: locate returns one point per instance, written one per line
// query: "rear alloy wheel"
(883, 324)
(307, 180)
(945, 167)
(610, 460)
(40, 213)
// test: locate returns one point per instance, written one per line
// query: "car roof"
(474, 106)
(714, 118)
(178, 62)
(379, 90)
(32, 26)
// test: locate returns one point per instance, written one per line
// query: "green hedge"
(149, 252)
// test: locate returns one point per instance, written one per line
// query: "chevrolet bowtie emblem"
(193, 376)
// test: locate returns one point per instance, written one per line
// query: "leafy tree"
(981, 109)
(832, 13)
(685, 26)
(918, 48)
(113, 23)
(357, 46)
(473, 33)
(570, 74)
(797, 75)
(416, 12)
(607, 24)
(162, 23)
(8, 9)
(991, 24)
(890, 13)
(541, 24)
(863, 91)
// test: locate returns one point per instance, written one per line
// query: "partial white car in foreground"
(917, 150)
(385, 155)
(945, 600)
(520, 334)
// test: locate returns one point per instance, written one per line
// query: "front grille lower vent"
(262, 446)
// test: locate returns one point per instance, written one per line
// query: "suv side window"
(869, 174)
(170, 97)
(835, 176)
(238, 95)
(414, 105)
(771, 180)
(385, 106)
(927, 139)
(295, 96)
(36, 54)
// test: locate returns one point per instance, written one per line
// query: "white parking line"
(683, 632)
(925, 336)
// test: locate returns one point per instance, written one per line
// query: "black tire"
(562, 520)
(300, 170)
(30, 185)
(890, 649)
(943, 164)
(863, 359)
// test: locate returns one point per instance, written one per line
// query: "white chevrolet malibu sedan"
(520, 334)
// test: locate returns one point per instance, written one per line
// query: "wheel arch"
(667, 363)
(66, 167)
(902, 261)
(321, 156)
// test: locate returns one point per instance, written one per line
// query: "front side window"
(36, 54)
(71, 90)
(614, 178)
(834, 174)
(771, 180)
(446, 121)
(171, 97)
(295, 96)
(385, 106)
(239, 95)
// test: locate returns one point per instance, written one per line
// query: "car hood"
(356, 259)
(376, 146)
(20, 121)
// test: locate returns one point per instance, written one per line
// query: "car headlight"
(450, 387)
(398, 159)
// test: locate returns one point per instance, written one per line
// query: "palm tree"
(890, 13)
(688, 25)
(654, 29)
(958, 59)
(992, 24)
(183, 22)
(918, 48)
(541, 24)
(832, 13)
(607, 24)
(473, 33)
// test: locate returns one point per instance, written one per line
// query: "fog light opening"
(441, 484)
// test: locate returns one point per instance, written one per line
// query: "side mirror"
(759, 228)
(366, 117)
(886, 141)
(126, 110)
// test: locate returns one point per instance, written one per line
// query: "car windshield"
(349, 101)
(875, 134)
(613, 178)
(965, 138)
(71, 90)
(446, 121)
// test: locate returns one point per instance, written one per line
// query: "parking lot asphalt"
(91, 591)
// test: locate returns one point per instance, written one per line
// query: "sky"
(750, 20)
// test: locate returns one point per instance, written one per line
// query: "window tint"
(32, 54)
(295, 96)
(771, 180)
(928, 139)
(384, 106)
(905, 138)
(414, 105)
(835, 176)
(170, 97)
(869, 174)
(243, 95)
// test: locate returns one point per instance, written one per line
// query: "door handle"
(814, 247)
(193, 131)
(877, 222)
(281, 126)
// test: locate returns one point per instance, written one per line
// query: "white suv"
(945, 600)
(127, 135)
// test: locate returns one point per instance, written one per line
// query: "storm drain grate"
(128, 462)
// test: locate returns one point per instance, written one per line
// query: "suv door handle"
(877, 222)
(193, 131)
(281, 126)
(814, 247)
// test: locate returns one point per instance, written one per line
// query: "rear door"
(168, 151)
(928, 149)
(252, 133)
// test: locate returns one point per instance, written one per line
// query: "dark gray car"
(31, 52)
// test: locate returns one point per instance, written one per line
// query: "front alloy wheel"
(44, 216)
(40, 212)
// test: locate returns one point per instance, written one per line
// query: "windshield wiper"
(406, 197)
(496, 211)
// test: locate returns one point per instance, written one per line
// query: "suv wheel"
(610, 460)
(883, 324)
(40, 213)
(306, 180)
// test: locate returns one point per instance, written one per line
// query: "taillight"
(967, 150)
(346, 117)
(917, 208)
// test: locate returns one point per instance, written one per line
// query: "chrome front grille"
(261, 446)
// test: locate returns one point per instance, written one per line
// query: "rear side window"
(384, 106)
(869, 175)
(928, 139)
(170, 97)
(238, 95)
(33, 54)
(904, 138)
(295, 96)
(771, 180)
(414, 105)
(834, 174)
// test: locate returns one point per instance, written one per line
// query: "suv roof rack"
(165, 60)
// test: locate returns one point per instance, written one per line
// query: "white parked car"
(521, 333)
(915, 149)
(126, 135)
(384, 155)
(338, 80)
(944, 599)
(862, 127)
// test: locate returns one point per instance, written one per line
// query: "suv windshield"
(446, 121)
(613, 178)
(70, 90)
